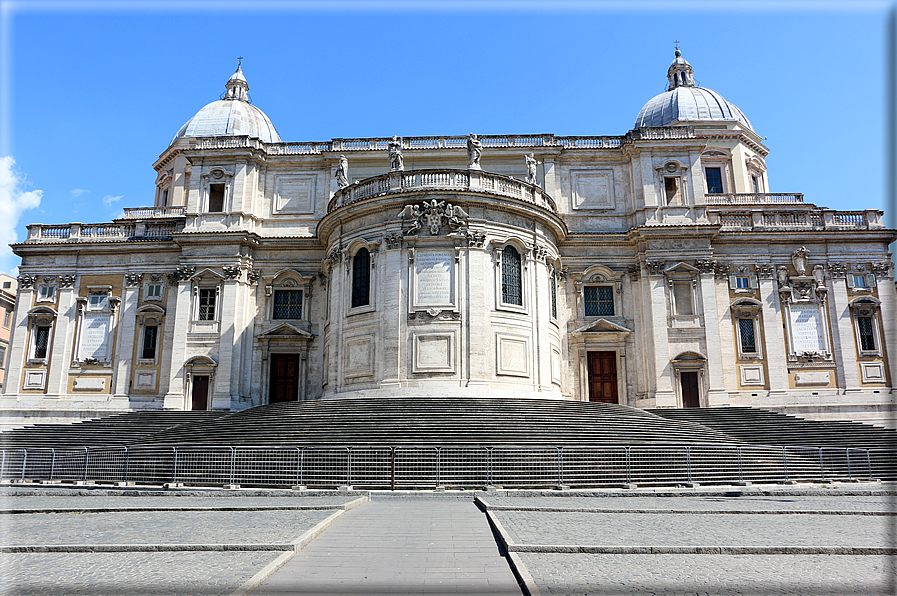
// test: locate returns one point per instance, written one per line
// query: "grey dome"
(686, 102)
(231, 116)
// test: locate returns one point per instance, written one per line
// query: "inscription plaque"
(95, 335)
(806, 330)
(433, 277)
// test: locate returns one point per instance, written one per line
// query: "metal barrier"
(428, 466)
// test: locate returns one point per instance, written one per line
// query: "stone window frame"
(147, 297)
(216, 175)
(523, 251)
(349, 259)
(751, 283)
(749, 309)
(869, 282)
(867, 306)
(755, 168)
(46, 291)
(672, 169)
(207, 279)
(718, 157)
(147, 315)
(163, 188)
(683, 273)
(594, 277)
(40, 317)
(554, 269)
(289, 280)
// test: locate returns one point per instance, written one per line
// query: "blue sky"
(92, 92)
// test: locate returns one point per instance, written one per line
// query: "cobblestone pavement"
(724, 575)
(676, 529)
(720, 502)
(129, 574)
(174, 500)
(160, 527)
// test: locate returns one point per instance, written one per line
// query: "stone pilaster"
(177, 322)
(127, 332)
(61, 348)
(716, 393)
(776, 350)
(843, 345)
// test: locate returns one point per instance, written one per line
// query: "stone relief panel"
(433, 278)
(872, 372)
(555, 365)
(433, 352)
(359, 356)
(751, 374)
(294, 194)
(512, 355)
(145, 380)
(592, 189)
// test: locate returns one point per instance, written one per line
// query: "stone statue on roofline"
(396, 160)
(342, 172)
(531, 164)
(474, 152)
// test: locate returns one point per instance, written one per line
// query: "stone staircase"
(764, 427)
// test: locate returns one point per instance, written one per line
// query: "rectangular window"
(7, 316)
(755, 181)
(867, 337)
(859, 281)
(599, 301)
(216, 198)
(41, 341)
(207, 304)
(742, 283)
(553, 294)
(153, 292)
(46, 293)
(96, 301)
(714, 180)
(682, 298)
(2, 356)
(747, 335)
(671, 188)
(288, 304)
(7, 285)
(150, 334)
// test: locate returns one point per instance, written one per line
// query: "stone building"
(650, 269)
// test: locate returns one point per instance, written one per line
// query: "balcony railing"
(103, 232)
(153, 212)
(795, 219)
(754, 199)
(449, 180)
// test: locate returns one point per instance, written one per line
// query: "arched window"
(361, 278)
(511, 286)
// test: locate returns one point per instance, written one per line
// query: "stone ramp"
(399, 546)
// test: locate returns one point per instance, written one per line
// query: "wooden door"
(603, 377)
(200, 395)
(284, 378)
(689, 383)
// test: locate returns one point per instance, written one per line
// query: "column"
(887, 293)
(659, 351)
(227, 322)
(774, 336)
(18, 341)
(716, 394)
(843, 343)
(61, 348)
(177, 324)
(124, 346)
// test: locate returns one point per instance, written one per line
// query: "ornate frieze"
(837, 269)
(27, 281)
(393, 240)
(253, 276)
(635, 272)
(706, 265)
(231, 271)
(475, 238)
(540, 252)
(133, 279)
(882, 268)
(436, 314)
(655, 267)
(182, 273)
(67, 281)
(765, 270)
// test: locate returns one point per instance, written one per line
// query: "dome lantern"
(680, 73)
(237, 87)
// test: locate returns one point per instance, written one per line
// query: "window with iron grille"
(207, 299)
(867, 335)
(553, 293)
(599, 301)
(747, 336)
(150, 334)
(41, 341)
(288, 304)
(511, 286)
(361, 278)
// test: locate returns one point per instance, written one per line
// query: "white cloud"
(13, 201)
(77, 192)
(109, 199)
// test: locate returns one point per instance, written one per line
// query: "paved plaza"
(810, 540)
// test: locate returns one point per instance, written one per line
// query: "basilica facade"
(651, 269)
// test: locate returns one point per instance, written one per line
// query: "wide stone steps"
(764, 427)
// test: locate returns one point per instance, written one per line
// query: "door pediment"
(286, 331)
(602, 326)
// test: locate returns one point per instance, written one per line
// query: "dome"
(230, 116)
(686, 102)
